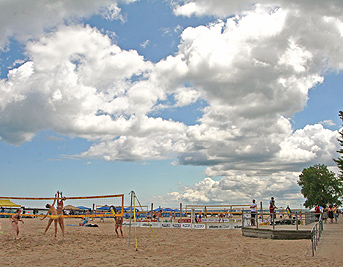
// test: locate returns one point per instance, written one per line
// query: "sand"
(98, 246)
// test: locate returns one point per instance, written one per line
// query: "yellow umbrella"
(7, 203)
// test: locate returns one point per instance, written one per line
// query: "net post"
(242, 217)
(152, 211)
(131, 193)
(261, 210)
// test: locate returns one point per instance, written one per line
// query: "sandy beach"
(98, 246)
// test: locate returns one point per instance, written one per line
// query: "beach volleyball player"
(16, 217)
(59, 210)
(119, 222)
(53, 216)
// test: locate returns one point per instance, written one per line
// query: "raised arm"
(54, 200)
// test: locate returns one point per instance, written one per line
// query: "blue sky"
(180, 101)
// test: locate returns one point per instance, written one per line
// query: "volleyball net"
(92, 206)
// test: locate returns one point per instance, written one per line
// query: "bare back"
(52, 211)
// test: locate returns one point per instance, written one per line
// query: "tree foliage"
(339, 161)
(321, 186)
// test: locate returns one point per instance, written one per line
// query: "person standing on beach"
(53, 216)
(119, 224)
(16, 217)
(325, 213)
(253, 212)
(271, 200)
(317, 211)
(272, 211)
(221, 217)
(335, 213)
(59, 210)
(331, 213)
(289, 212)
(158, 215)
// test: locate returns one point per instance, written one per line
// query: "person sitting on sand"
(16, 217)
(86, 218)
(221, 217)
(119, 224)
(102, 219)
(59, 210)
(53, 216)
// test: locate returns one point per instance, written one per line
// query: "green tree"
(339, 161)
(321, 186)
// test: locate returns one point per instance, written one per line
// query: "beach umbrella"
(164, 209)
(128, 209)
(168, 209)
(7, 203)
(70, 207)
(313, 209)
(158, 209)
(104, 208)
(83, 208)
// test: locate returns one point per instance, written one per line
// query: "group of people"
(253, 208)
(272, 209)
(328, 212)
(56, 215)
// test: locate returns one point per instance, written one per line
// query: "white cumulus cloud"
(253, 71)
(23, 20)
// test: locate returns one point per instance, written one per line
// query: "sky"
(193, 102)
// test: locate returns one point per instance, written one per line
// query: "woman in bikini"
(119, 224)
(53, 216)
(60, 200)
(16, 217)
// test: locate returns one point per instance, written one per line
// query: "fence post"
(131, 194)
(242, 218)
(180, 212)
(312, 239)
(296, 221)
(256, 219)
